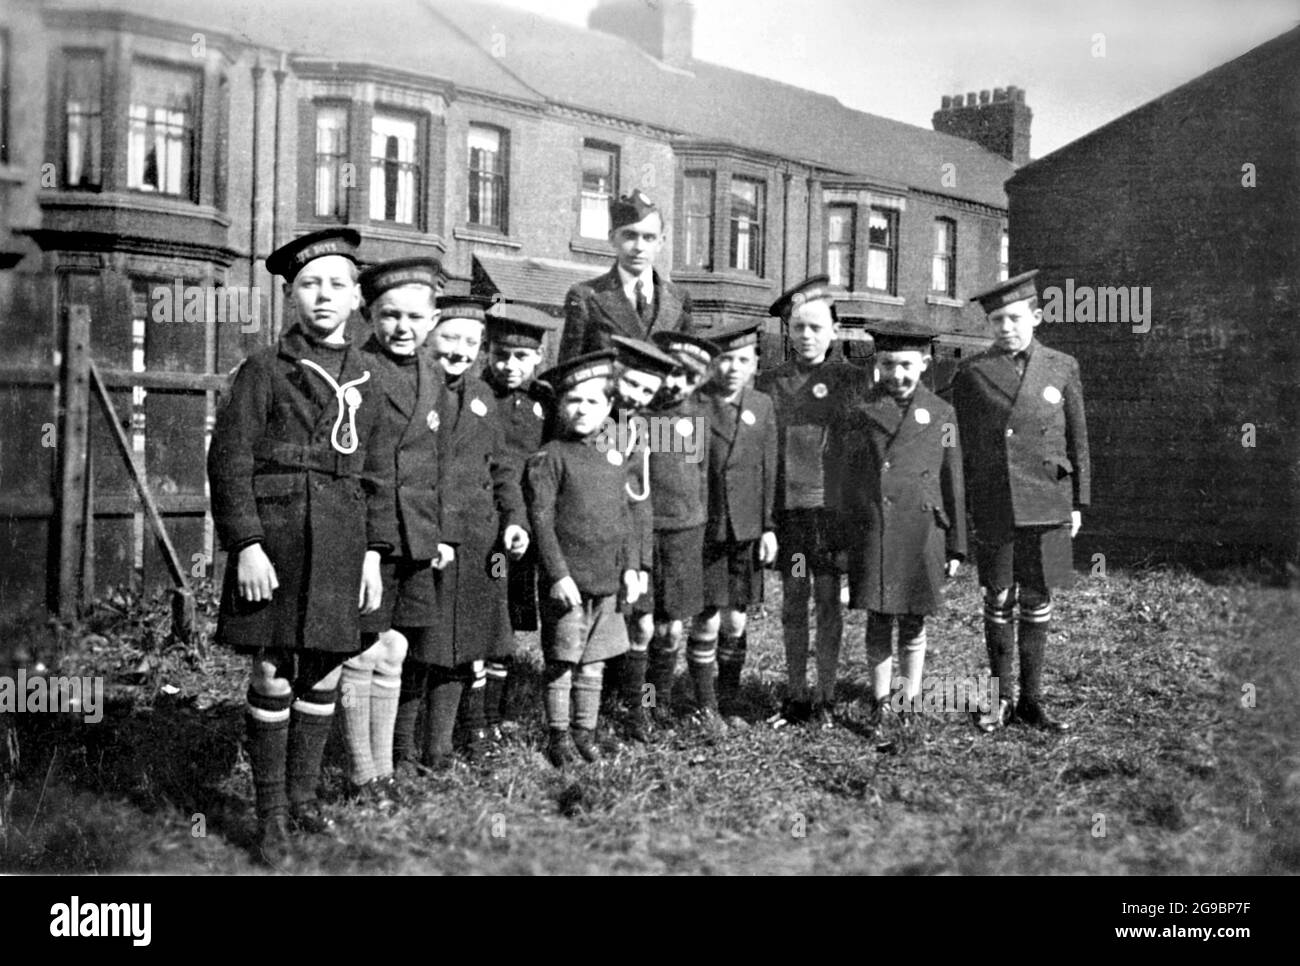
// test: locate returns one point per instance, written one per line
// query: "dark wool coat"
(276, 479)
(903, 500)
(597, 309)
(480, 498)
(679, 464)
(742, 467)
(1025, 444)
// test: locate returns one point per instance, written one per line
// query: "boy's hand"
(256, 574)
(516, 540)
(767, 548)
(644, 581)
(566, 592)
(951, 569)
(1076, 521)
(372, 584)
(446, 554)
(631, 586)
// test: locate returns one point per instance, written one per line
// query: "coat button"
(886, 466)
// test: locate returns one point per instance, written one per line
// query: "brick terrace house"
(1195, 195)
(158, 150)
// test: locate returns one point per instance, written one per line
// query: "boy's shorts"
(409, 596)
(814, 534)
(1039, 558)
(592, 631)
(676, 576)
(732, 577)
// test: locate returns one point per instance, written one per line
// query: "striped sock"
(911, 647)
(473, 709)
(632, 683)
(702, 660)
(1034, 622)
(415, 681)
(441, 705)
(494, 697)
(880, 652)
(586, 695)
(731, 661)
(999, 637)
(385, 697)
(267, 719)
(559, 683)
(311, 718)
(356, 698)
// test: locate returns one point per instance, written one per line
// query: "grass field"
(1165, 770)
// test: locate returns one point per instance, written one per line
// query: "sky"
(1082, 63)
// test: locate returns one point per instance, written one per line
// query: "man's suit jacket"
(742, 467)
(597, 309)
(1024, 441)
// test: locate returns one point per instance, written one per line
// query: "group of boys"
(392, 518)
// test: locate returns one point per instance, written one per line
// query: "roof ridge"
(432, 7)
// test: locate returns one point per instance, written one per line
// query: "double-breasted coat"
(902, 498)
(742, 467)
(278, 478)
(411, 392)
(523, 414)
(597, 309)
(1025, 444)
(480, 497)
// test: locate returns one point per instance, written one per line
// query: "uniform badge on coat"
(684, 427)
(1052, 395)
(432, 420)
(478, 407)
(748, 418)
(820, 390)
(615, 457)
(537, 410)
(923, 416)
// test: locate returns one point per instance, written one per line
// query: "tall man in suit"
(631, 299)
(1025, 447)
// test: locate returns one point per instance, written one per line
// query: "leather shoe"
(584, 739)
(310, 817)
(995, 718)
(1032, 714)
(274, 842)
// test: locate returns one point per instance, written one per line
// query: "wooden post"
(73, 453)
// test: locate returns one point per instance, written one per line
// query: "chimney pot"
(985, 97)
(946, 103)
(999, 95)
(971, 98)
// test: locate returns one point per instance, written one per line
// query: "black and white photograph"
(651, 437)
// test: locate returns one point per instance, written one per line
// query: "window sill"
(880, 298)
(728, 276)
(944, 300)
(590, 246)
(483, 237)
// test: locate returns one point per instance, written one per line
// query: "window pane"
(331, 155)
(159, 130)
(1004, 258)
(81, 86)
(841, 222)
(394, 168)
(881, 231)
(599, 185)
(487, 182)
(747, 225)
(941, 237)
(697, 221)
(878, 229)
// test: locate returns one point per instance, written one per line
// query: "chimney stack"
(997, 120)
(664, 30)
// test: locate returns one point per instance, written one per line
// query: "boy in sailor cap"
(631, 299)
(399, 300)
(679, 480)
(809, 392)
(1025, 442)
(904, 510)
(515, 335)
(587, 551)
(484, 521)
(300, 474)
(739, 537)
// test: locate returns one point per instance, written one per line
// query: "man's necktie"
(642, 306)
(1021, 359)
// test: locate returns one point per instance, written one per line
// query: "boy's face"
(456, 343)
(1013, 325)
(679, 386)
(324, 294)
(736, 368)
(513, 365)
(899, 371)
(585, 407)
(402, 318)
(636, 246)
(811, 330)
(636, 388)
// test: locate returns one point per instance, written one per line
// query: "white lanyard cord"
(349, 401)
(645, 468)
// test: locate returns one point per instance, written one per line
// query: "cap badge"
(923, 416)
(820, 390)
(747, 417)
(477, 407)
(684, 427)
(1052, 395)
